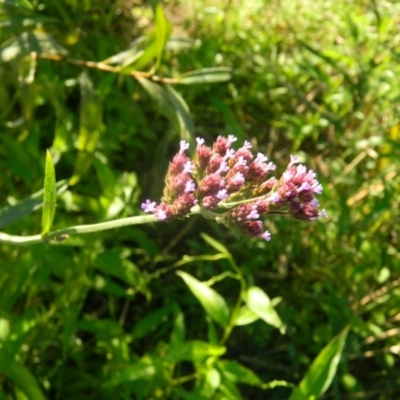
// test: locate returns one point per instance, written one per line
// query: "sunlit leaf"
(90, 127)
(206, 75)
(194, 350)
(245, 316)
(163, 29)
(28, 42)
(259, 302)
(322, 370)
(212, 302)
(49, 195)
(214, 243)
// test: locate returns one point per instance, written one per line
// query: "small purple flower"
(222, 194)
(190, 186)
(161, 215)
(184, 145)
(266, 235)
(188, 168)
(200, 141)
(148, 206)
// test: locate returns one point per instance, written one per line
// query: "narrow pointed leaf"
(163, 29)
(259, 302)
(212, 302)
(322, 371)
(49, 195)
(206, 75)
(172, 106)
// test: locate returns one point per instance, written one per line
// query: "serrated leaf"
(212, 302)
(28, 42)
(259, 302)
(163, 29)
(206, 75)
(171, 105)
(322, 370)
(194, 350)
(90, 127)
(27, 206)
(49, 195)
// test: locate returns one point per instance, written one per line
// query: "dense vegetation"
(164, 310)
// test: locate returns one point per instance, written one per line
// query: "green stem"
(63, 234)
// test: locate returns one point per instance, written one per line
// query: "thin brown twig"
(104, 67)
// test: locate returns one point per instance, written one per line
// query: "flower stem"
(63, 234)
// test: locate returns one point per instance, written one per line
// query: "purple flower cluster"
(234, 187)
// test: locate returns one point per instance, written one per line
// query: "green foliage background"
(105, 315)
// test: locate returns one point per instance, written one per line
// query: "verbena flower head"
(235, 188)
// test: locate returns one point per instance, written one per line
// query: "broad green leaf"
(214, 243)
(237, 373)
(245, 316)
(194, 350)
(28, 42)
(24, 207)
(171, 105)
(259, 302)
(21, 376)
(205, 75)
(322, 370)
(163, 29)
(209, 382)
(212, 302)
(89, 129)
(49, 195)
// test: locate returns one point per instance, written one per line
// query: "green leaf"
(322, 371)
(28, 42)
(214, 243)
(245, 316)
(49, 195)
(27, 206)
(21, 376)
(172, 106)
(237, 373)
(212, 302)
(89, 129)
(206, 75)
(163, 29)
(259, 302)
(194, 350)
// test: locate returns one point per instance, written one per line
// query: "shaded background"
(318, 79)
